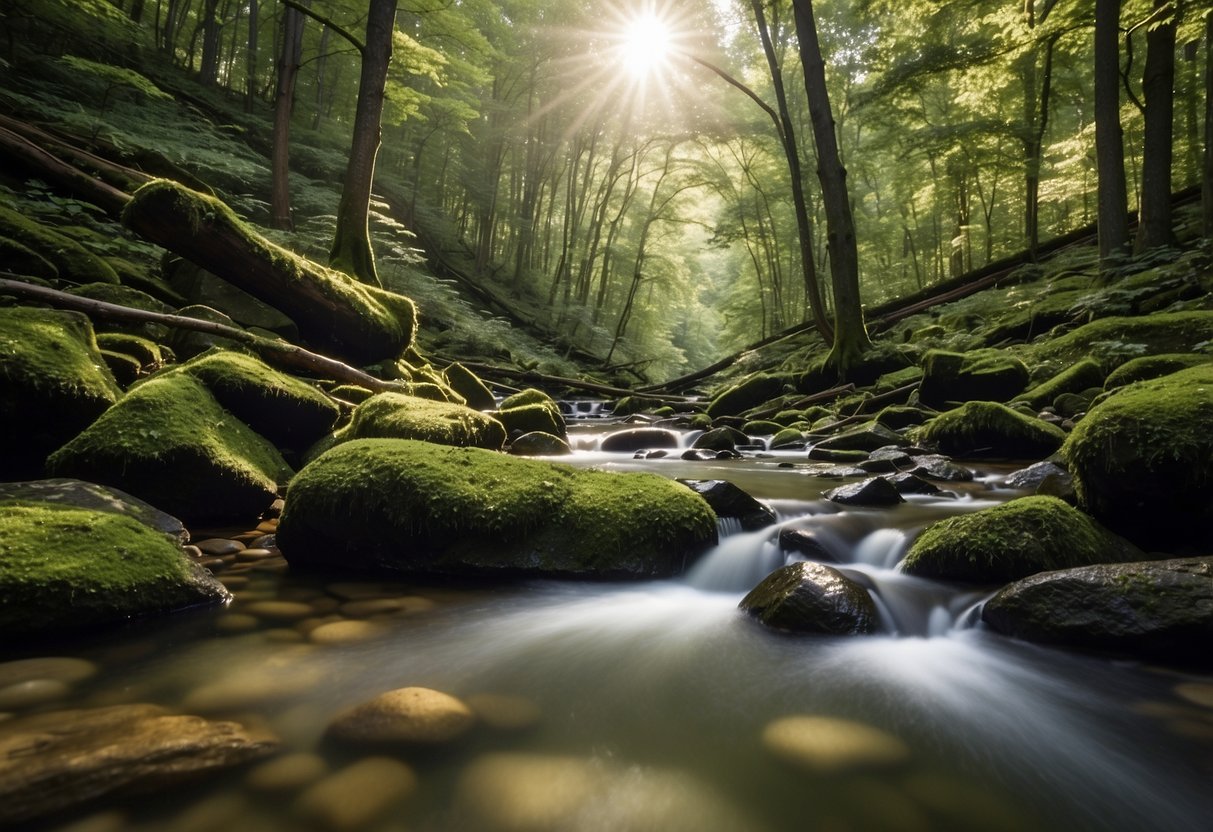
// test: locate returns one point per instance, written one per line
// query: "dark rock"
(812, 598)
(727, 500)
(720, 439)
(203, 288)
(981, 375)
(886, 464)
(1070, 405)
(876, 491)
(727, 455)
(636, 439)
(83, 755)
(699, 455)
(940, 468)
(828, 455)
(1043, 478)
(806, 543)
(80, 494)
(867, 437)
(1074, 379)
(186, 343)
(1155, 610)
(538, 443)
(907, 483)
(897, 417)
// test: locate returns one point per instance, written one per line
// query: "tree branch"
(324, 21)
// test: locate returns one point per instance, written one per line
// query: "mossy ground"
(73, 263)
(1154, 366)
(989, 429)
(1012, 541)
(1113, 341)
(397, 416)
(65, 568)
(405, 506)
(1081, 376)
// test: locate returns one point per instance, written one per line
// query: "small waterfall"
(883, 548)
(738, 562)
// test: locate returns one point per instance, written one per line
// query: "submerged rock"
(988, 429)
(357, 795)
(401, 506)
(1154, 610)
(812, 598)
(727, 500)
(829, 745)
(408, 716)
(68, 569)
(397, 416)
(83, 755)
(637, 439)
(1014, 540)
(1142, 460)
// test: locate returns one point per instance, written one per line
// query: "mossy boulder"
(985, 375)
(866, 437)
(723, 438)
(1075, 379)
(53, 383)
(1142, 459)
(1112, 341)
(809, 597)
(989, 429)
(1153, 366)
(1012, 541)
(145, 351)
(397, 416)
(898, 417)
(467, 384)
(537, 443)
(402, 506)
(530, 410)
(351, 393)
(746, 394)
(64, 569)
(23, 260)
(1159, 610)
(73, 262)
(170, 443)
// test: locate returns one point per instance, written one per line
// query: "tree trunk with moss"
(351, 252)
(850, 333)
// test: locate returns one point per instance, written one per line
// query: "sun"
(647, 45)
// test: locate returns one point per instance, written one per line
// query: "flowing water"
(650, 700)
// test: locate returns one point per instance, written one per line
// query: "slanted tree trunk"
(284, 104)
(1109, 141)
(850, 333)
(1158, 82)
(351, 251)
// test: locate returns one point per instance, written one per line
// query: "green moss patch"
(1142, 459)
(73, 262)
(1012, 541)
(1082, 376)
(53, 383)
(397, 416)
(65, 568)
(989, 429)
(1113, 341)
(467, 384)
(170, 443)
(393, 505)
(1153, 366)
(531, 410)
(746, 395)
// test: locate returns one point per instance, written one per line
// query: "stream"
(643, 706)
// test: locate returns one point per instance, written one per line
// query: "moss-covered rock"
(1153, 366)
(187, 343)
(351, 393)
(23, 260)
(723, 438)
(125, 368)
(985, 375)
(64, 568)
(401, 506)
(529, 396)
(746, 394)
(812, 598)
(898, 417)
(200, 287)
(143, 350)
(1012, 541)
(73, 262)
(530, 410)
(989, 429)
(788, 437)
(467, 384)
(1086, 373)
(537, 443)
(1142, 459)
(866, 437)
(1112, 341)
(53, 383)
(397, 416)
(170, 443)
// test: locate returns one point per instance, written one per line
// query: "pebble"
(268, 526)
(405, 605)
(358, 794)
(218, 811)
(287, 773)
(192, 551)
(213, 564)
(282, 635)
(406, 715)
(826, 745)
(356, 591)
(504, 712)
(250, 689)
(60, 668)
(219, 546)
(308, 624)
(235, 622)
(265, 541)
(257, 554)
(277, 566)
(32, 692)
(1198, 693)
(279, 610)
(233, 581)
(344, 632)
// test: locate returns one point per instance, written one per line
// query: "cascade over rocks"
(874, 491)
(807, 597)
(402, 506)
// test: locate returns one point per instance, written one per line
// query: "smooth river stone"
(59, 668)
(357, 591)
(345, 632)
(219, 546)
(278, 610)
(249, 689)
(287, 773)
(86, 754)
(406, 605)
(235, 622)
(405, 716)
(358, 794)
(504, 712)
(31, 693)
(826, 745)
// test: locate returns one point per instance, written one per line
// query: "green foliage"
(115, 76)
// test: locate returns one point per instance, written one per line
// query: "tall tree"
(289, 58)
(850, 332)
(351, 251)
(1109, 141)
(1158, 82)
(1207, 178)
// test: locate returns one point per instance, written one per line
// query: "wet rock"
(86, 754)
(219, 546)
(408, 716)
(59, 668)
(829, 455)
(806, 543)
(876, 491)
(345, 632)
(727, 500)
(251, 688)
(867, 437)
(538, 443)
(699, 455)
(637, 439)
(31, 693)
(939, 467)
(723, 438)
(812, 598)
(886, 463)
(278, 610)
(1014, 540)
(80, 494)
(1159, 610)
(287, 773)
(907, 483)
(987, 429)
(358, 794)
(828, 745)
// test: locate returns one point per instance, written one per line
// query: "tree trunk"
(322, 61)
(284, 104)
(1158, 80)
(351, 251)
(1207, 180)
(208, 70)
(250, 81)
(1109, 139)
(850, 333)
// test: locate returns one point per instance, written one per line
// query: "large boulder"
(71, 493)
(531, 410)
(985, 375)
(1014, 540)
(1155, 610)
(989, 429)
(1154, 366)
(467, 384)
(1142, 460)
(397, 416)
(746, 394)
(402, 506)
(866, 437)
(727, 500)
(64, 568)
(53, 384)
(169, 442)
(808, 597)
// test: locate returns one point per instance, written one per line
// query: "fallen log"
(334, 312)
(112, 173)
(282, 354)
(62, 174)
